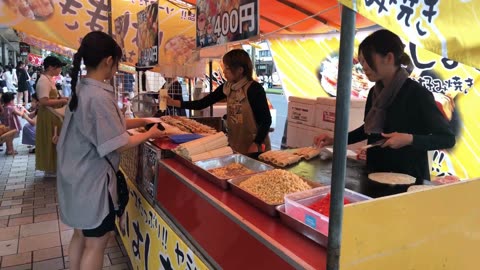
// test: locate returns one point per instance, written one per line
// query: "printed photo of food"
(121, 25)
(327, 74)
(148, 30)
(179, 49)
(38, 10)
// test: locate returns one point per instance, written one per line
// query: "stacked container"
(309, 117)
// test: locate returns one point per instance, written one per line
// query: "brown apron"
(45, 149)
(242, 128)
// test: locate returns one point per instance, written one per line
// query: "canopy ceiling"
(292, 16)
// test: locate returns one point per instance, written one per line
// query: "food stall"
(222, 227)
(179, 219)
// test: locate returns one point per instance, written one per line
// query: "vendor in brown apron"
(248, 114)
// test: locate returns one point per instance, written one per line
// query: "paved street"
(280, 103)
(31, 234)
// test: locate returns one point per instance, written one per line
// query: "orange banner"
(61, 22)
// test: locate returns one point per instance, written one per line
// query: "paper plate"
(392, 178)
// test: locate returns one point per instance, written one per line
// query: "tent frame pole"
(347, 40)
(210, 76)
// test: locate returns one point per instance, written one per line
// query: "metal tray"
(252, 164)
(189, 164)
(269, 209)
(302, 228)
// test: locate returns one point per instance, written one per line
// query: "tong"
(377, 143)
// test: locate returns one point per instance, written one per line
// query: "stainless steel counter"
(357, 177)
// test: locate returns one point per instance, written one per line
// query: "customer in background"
(59, 84)
(3, 84)
(175, 90)
(31, 81)
(29, 130)
(11, 117)
(93, 135)
(22, 87)
(47, 120)
(67, 85)
(128, 84)
(10, 79)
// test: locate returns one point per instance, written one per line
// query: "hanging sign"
(147, 36)
(24, 49)
(443, 27)
(227, 21)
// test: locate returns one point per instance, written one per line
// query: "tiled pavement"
(31, 235)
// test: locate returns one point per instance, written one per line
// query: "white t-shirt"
(67, 81)
(44, 86)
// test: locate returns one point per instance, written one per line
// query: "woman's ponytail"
(77, 61)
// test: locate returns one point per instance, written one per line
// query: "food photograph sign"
(220, 22)
(147, 36)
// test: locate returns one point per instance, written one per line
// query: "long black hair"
(384, 42)
(95, 47)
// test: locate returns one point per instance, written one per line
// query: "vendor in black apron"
(399, 111)
(248, 114)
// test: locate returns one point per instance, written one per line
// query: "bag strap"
(111, 165)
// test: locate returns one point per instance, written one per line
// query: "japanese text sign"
(309, 68)
(151, 243)
(443, 27)
(220, 22)
(147, 36)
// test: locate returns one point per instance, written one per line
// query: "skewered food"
(188, 125)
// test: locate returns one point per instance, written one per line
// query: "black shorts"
(108, 223)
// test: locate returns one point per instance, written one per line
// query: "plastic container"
(296, 206)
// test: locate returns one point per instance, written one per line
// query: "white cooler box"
(301, 111)
(325, 113)
(299, 135)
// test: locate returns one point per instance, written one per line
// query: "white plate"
(392, 178)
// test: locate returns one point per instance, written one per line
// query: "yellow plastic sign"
(150, 242)
(309, 68)
(447, 28)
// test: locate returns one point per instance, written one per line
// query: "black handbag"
(122, 191)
